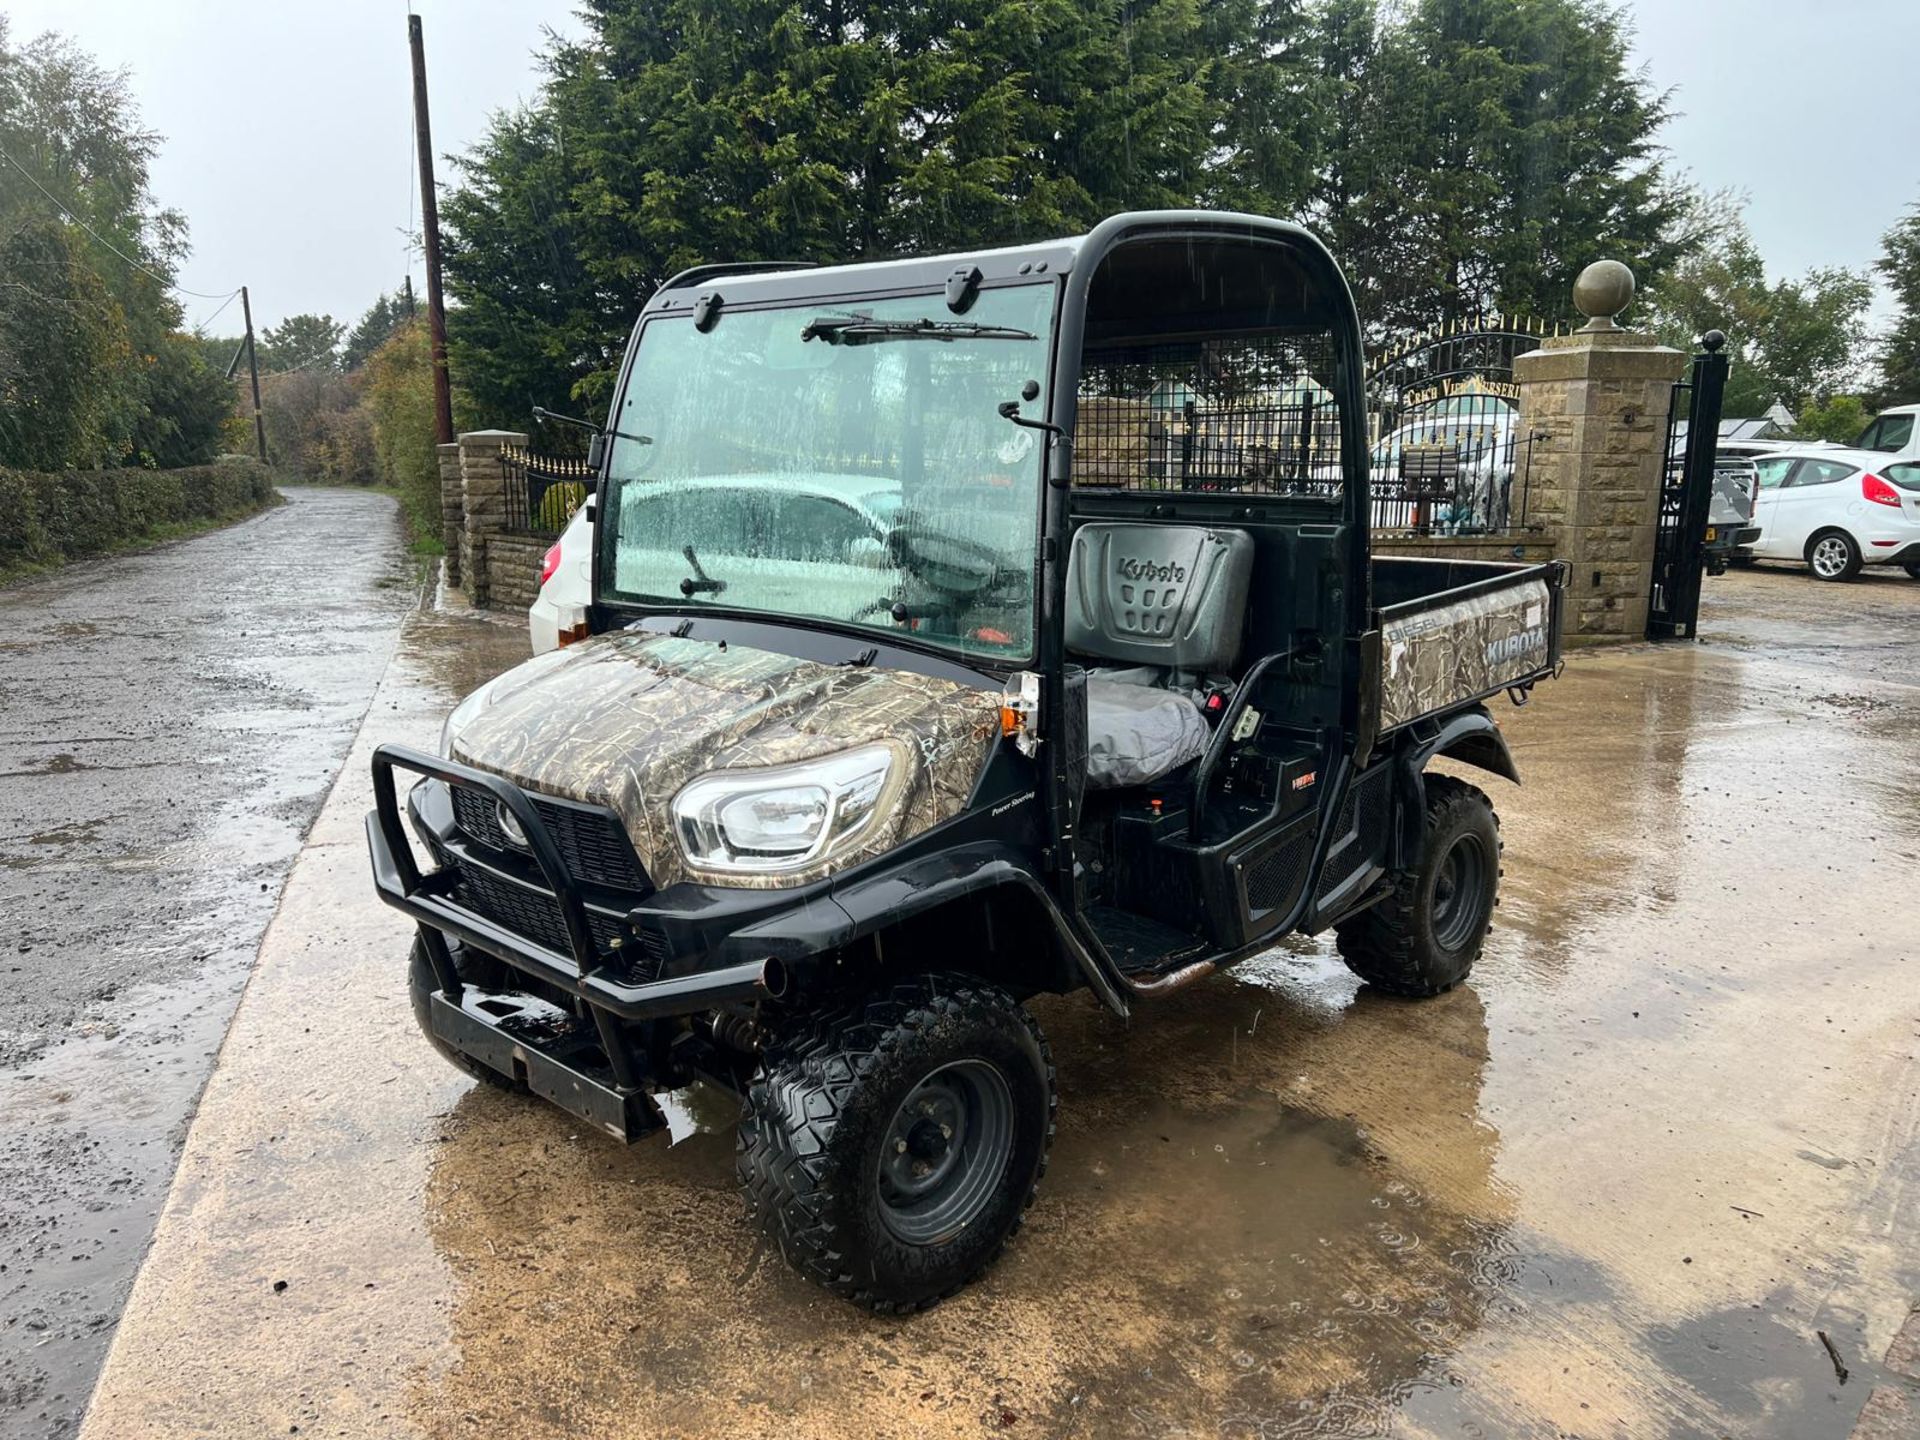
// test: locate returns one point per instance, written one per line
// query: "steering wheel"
(951, 564)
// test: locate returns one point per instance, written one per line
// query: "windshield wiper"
(699, 583)
(864, 330)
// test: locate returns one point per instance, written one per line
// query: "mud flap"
(526, 1039)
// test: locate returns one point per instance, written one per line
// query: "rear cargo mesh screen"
(1248, 414)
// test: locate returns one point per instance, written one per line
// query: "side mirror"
(596, 451)
(869, 554)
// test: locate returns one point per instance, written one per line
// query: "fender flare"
(1470, 736)
(878, 902)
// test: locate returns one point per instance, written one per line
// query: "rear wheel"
(1912, 567)
(474, 970)
(1425, 935)
(1832, 555)
(891, 1148)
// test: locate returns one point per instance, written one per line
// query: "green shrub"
(48, 517)
(397, 386)
(557, 504)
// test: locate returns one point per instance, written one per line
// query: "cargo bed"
(1456, 631)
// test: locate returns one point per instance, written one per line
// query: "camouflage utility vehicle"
(964, 629)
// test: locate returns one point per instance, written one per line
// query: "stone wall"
(1528, 549)
(513, 569)
(498, 567)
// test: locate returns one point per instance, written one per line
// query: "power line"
(72, 218)
(201, 327)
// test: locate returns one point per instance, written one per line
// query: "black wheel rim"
(945, 1152)
(1459, 893)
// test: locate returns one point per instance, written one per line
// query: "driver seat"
(1163, 605)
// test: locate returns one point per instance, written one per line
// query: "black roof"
(761, 281)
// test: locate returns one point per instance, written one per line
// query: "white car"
(1894, 432)
(832, 531)
(1483, 439)
(558, 614)
(1835, 510)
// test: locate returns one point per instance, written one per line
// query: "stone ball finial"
(1604, 289)
(1713, 342)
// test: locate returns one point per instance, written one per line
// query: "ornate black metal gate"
(1447, 455)
(542, 491)
(1686, 494)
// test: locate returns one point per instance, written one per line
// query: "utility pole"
(407, 287)
(253, 374)
(430, 226)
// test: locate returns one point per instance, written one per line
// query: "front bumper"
(585, 969)
(526, 1039)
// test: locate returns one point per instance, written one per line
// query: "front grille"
(528, 912)
(590, 841)
(641, 958)
(628, 956)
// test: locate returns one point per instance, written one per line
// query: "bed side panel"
(1435, 659)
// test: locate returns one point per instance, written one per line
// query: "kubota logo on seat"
(1131, 569)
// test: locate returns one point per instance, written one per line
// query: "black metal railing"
(542, 491)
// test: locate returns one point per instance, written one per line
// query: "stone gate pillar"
(452, 507)
(483, 489)
(1598, 400)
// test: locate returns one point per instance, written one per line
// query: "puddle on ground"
(1236, 1233)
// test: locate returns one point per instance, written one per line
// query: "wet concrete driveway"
(169, 724)
(1615, 1186)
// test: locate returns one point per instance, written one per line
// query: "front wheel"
(472, 968)
(891, 1148)
(1425, 935)
(1833, 556)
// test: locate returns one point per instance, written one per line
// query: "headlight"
(784, 817)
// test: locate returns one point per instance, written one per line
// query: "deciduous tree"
(1791, 341)
(1899, 267)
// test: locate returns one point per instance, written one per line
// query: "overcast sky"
(289, 147)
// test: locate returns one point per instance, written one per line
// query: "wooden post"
(430, 228)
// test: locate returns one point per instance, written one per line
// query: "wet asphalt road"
(169, 725)
(1614, 1186)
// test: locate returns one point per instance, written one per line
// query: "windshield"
(843, 462)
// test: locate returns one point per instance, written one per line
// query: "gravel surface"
(169, 725)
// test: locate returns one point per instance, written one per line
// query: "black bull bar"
(474, 1029)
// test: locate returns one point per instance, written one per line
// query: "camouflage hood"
(627, 719)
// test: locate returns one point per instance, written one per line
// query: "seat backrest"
(1173, 595)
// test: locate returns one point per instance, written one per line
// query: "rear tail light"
(550, 562)
(1878, 492)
